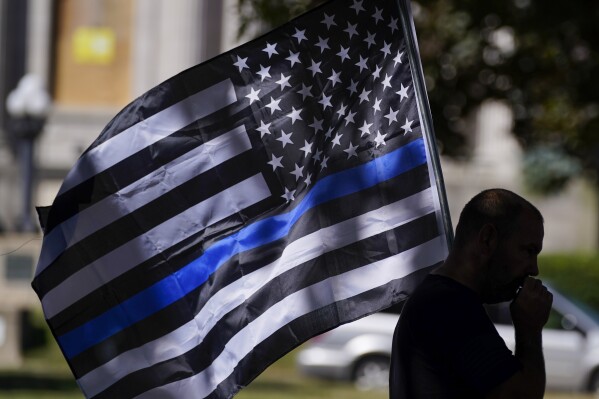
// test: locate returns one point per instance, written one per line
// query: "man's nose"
(534, 268)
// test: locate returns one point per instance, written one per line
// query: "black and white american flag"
(242, 207)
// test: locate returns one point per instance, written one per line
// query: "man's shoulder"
(440, 288)
(444, 300)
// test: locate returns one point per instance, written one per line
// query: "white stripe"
(296, 253)
(227, 202)
(141, 192)
(323, 293)
(149, 131)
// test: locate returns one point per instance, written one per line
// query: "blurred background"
(513, 87)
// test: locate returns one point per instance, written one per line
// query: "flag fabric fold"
(242, 207)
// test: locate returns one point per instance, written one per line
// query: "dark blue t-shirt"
(445, 345)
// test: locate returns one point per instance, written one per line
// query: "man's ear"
(487, 239)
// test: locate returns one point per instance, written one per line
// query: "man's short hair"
(496, 206)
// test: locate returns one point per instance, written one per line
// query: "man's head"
(506, 234)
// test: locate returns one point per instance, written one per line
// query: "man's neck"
(464, 272)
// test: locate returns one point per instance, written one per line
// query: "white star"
(305, 91)
(397, 59)
(365, 129)
(377, 15)
(315, 68)
(377, 72)
(289, 195)
(294, 115)
(293, 58)
(343, 53)
(285, 138)
(298, 172)
(328, 21)
(364, 95)
(328, 135)
(341, 111)
(307, 148)
(317, 125)
(284, 81)
(380, 139)
(308, 179)
(241, 63)
(253, 95)
(362, 64)
(275, 162)
(325, 101)
(336, 140)
(351, 30)
(323, 44)
(392, 115)
(387, 82)
(270, 49)
(357, 6)
(386, 49)
(323, 164)
(353, 87)
(264, 73)
(274, 105)
(350, 118)
(407, 127)
(370, 39)
(334, 77)
(263, 129)
(351, 150)
(403, 92)
(317, 156)
(377, 104)
(300, 35)
(393, 25)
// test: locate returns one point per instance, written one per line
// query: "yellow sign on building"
(94, 45)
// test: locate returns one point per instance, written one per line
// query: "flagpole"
(426, 119)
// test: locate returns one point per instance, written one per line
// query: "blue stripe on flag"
(193, 275)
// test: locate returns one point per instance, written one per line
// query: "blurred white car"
(360, 351)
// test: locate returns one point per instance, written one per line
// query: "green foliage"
(542, 58)
(576, 275)
(266, 14)
(547, 169)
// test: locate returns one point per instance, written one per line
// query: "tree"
(540, 57)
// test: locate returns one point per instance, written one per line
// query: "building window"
(19, 268)
(93, 52)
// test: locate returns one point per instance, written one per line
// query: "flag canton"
(329, 91)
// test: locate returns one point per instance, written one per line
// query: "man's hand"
(530, 309)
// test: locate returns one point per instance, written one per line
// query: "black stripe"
(301, 329)
(333, 263)
(171, 260)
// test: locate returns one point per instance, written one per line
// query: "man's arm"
(530, 311)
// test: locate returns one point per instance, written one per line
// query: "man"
(444, 344)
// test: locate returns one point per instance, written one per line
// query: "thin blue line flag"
(242, 207)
